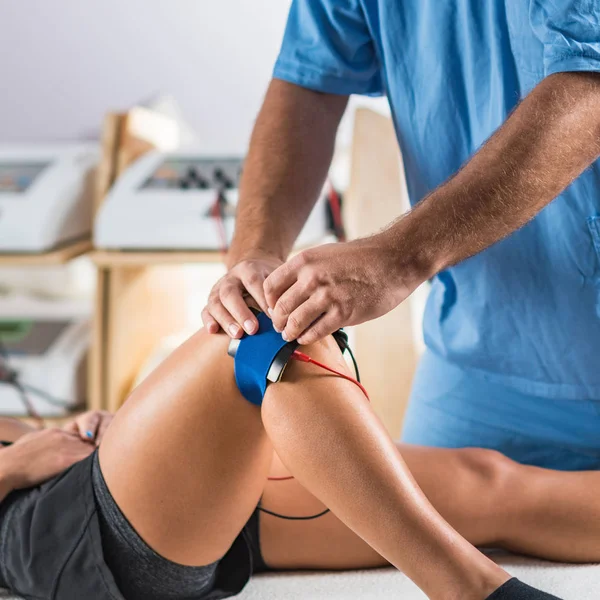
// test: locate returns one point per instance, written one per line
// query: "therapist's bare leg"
(494, 501)
(489, 499)
(327, 435)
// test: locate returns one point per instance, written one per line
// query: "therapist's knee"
(493, 468)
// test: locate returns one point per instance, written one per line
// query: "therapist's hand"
(227, 307)
(335, 285)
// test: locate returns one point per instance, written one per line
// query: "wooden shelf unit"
(57, 256)
(138, 303)
(141, 296)
(54, 257)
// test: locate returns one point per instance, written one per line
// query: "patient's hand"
(40, 455)
(90, 426)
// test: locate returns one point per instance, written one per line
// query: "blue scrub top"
(525, 312)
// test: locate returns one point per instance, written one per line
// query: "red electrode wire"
(336, 212)
(216, 213)
(297, 355)
(305, 358)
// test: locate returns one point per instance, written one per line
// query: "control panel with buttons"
(181, 201)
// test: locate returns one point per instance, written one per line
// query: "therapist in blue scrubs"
(496, 105)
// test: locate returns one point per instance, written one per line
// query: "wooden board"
(125, 138)
(57, 256)
(107, 258)
(107, 167)
(385, 347)
(136, 303)
(144, 130)
(97, 353)
(52, 421)
(136, 307)
(143, 305)
(138, 258)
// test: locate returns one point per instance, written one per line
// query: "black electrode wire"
(47, 397)
(28, 405)
(353, 362)
(11, 377)
(309, 518)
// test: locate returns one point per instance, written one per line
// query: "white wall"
(66, 62)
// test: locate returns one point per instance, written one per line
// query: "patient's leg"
(325, 432)
(186, 460)
(186, 457)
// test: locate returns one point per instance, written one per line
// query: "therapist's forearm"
(289, 157)
(549, 140)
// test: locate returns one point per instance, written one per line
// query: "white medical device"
(181, 201)
(48, 357)
(43, 200)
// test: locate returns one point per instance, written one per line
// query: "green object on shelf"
(14, 330)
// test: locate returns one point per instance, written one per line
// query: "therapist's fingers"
(288, 302)
(321, 328)
(211, 324)
(225, 320)
(232, 299)
(253, 283)
(303, 318)
(281, 279)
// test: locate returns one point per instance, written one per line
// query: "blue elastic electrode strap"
(254, 357)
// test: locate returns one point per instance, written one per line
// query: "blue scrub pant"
(451, 407)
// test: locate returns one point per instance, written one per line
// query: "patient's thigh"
(186, 456)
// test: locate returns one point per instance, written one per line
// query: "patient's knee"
(263, 358)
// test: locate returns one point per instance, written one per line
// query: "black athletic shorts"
(52, 547)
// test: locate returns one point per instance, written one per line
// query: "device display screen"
(16, 178)
(31, 338)
(195, 174)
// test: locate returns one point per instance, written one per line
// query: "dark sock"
(514, 589)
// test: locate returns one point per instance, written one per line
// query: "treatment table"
(569, 582)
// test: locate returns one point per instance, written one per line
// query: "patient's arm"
(12, 429)
(37, 456)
